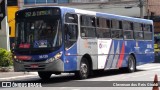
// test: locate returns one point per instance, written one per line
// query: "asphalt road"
(101, 80)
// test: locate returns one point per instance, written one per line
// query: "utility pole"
(141, 8)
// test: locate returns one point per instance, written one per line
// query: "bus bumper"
(55, 66)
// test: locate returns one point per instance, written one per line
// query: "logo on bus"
(102, 45)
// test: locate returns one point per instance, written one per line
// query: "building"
(12, 7)
(153, 13)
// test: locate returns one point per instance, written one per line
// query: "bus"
(54, 40)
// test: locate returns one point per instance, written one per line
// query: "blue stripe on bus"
(70, 61)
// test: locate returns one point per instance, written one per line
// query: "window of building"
(9, 30)
(52, 1)
(88, 26)
(29, 1)
(39, 1)
(12, 2)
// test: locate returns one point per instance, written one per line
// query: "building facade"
(12, 7)
(153, 8)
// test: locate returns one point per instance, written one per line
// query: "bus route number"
(43, 56)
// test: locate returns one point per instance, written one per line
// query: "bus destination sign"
(38, 13)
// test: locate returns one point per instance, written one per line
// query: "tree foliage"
(5, 58)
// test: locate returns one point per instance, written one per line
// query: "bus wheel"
(131, 64)
(84, 69)
(44, 75)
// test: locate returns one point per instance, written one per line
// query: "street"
(100, 79)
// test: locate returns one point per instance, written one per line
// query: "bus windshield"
(38, 33)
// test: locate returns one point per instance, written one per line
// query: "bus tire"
(44, 75)
(131, 64)
(83, 72)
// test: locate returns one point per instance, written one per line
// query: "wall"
(11, 20)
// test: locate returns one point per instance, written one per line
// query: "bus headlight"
(50, 60)
(56, 57)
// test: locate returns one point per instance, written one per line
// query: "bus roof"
(110, 16)
(100, 14)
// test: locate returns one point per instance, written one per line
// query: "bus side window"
(116, 29)
(127, 30)
(71, 33)
(147, 29)
(138, 31)
(102, 28)
(70, 29)
(87, 26)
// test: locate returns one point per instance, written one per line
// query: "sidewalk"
(16, 75)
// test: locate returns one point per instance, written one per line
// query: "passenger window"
(147, 29)
(103, 26)
(127, 30)
(138, 27)
(88, 26)
(116, 31)
(87, 21)
(138, 31)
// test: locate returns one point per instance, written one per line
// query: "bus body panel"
(88, 47)
(104, 46)
(70, 60)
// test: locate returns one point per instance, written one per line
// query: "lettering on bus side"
(90, 44)
(149, 45)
